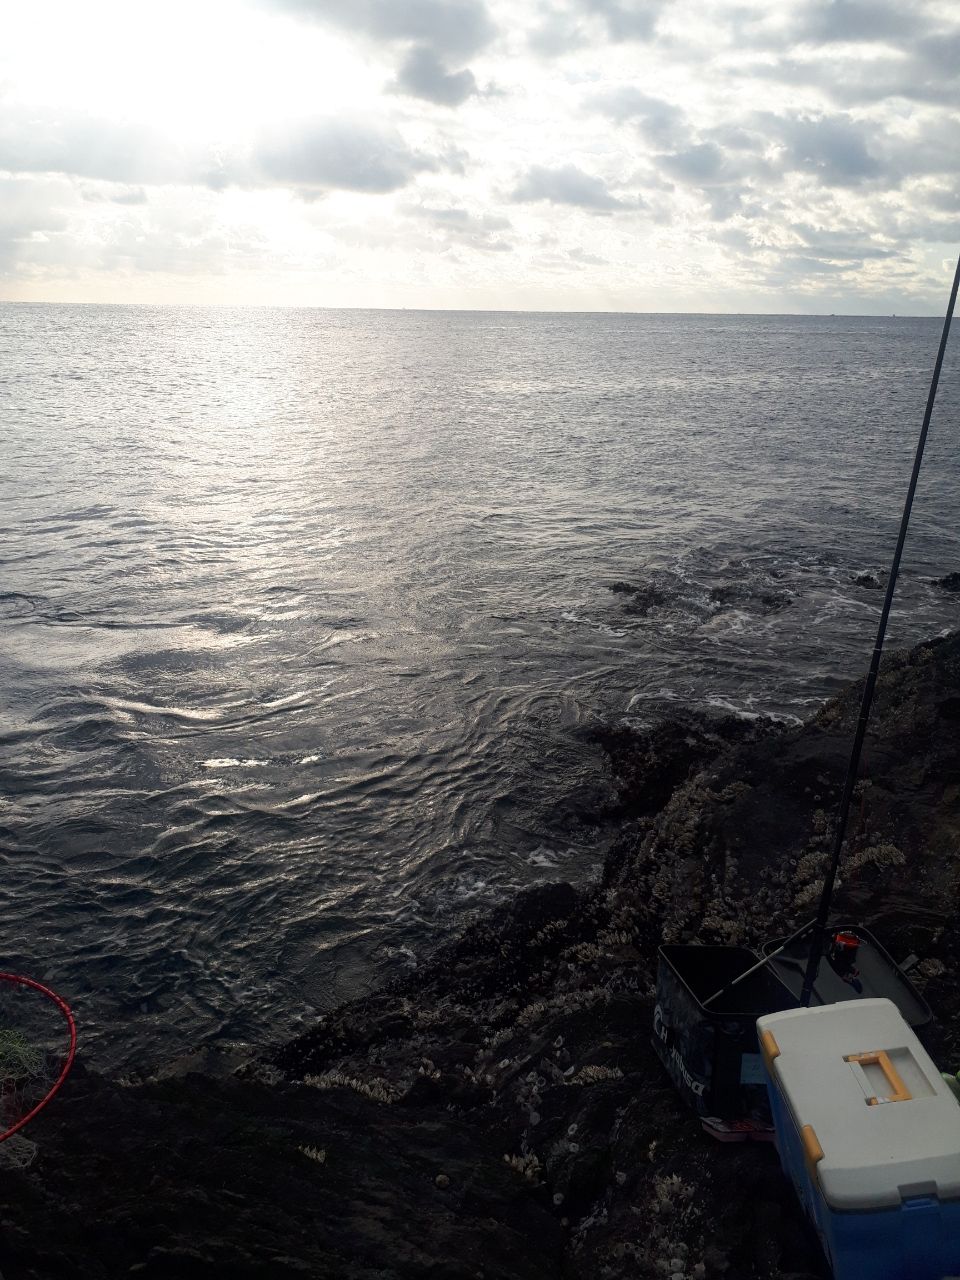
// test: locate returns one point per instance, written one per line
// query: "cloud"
(918, 226)
(946, 199)
(941, 53)
(660, 122)
(837, 245)
(803, 266)
(114, 194)
(556, 33)
(586, 259)
(860, 82)
(627, 19)
(858, 21)
(734, 137)
(461, 227)
(561, 29)
(86, 146)
(739, 167)
(423, 75)
(438, 33)
(50, 228)
(565, 185)
(178, 241)
(339, 154)
(310, 155)
(31, 211)
(57, 226)
(832, 148)
(724, 177)
(701, 164)
(809, 143)
(458, 28)
(913, 53)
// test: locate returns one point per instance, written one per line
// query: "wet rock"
(649, 764)
(869, 579)
(949, 582)
(749, 597)
(645, 599)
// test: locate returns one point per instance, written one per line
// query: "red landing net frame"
(38, 1041)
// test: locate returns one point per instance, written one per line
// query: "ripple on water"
(308, 680)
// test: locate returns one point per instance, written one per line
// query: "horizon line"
(547, 311)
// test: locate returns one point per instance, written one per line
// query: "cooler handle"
(770, 1049)
(812, 1150)
(880, 1058)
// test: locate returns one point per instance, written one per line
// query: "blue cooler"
(869, 1133)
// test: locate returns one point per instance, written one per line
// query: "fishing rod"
(804, 928)
(826, 897)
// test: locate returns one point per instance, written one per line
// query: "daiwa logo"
(660, 1030)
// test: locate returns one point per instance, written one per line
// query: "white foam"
(600, 627)
(724, 704)
(543, 857)
(663, 694)
(228, 762)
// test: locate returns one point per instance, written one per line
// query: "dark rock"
(650, 764)
(949, 582)
(751, 597)
(646, 599)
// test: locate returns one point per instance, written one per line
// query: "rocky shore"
(499, 1114)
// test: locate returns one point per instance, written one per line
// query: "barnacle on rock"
(877, 855)
(377, 1089)
(594, 1075)
(565, 1002)
(527, 1166)
(317, 1154)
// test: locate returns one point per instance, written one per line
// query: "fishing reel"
(841, 951)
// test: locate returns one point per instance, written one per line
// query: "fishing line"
(816, 945)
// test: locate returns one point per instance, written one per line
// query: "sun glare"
(192, 71)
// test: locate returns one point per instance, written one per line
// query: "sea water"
(306, 616)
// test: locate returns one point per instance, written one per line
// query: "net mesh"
(35, 1046)
(17, 1152)
(18, 1056)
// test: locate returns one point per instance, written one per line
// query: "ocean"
(307, 616)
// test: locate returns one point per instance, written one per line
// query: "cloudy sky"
(645, 155)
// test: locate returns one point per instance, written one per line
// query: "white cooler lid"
(874, 1155)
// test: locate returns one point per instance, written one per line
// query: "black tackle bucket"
(712, 1053)
(876, 973)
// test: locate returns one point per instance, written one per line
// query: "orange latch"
(769, 1048)
(812, 1150)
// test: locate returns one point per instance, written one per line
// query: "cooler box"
(869, 1133)
(711, 1052)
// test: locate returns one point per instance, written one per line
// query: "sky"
(600, 155)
